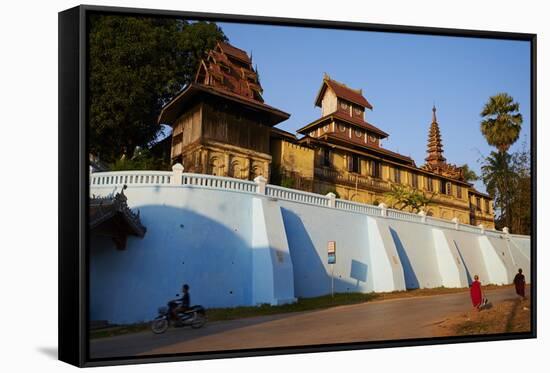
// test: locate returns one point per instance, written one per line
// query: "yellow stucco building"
(222, 126)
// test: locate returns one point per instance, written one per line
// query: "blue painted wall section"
(240, 248)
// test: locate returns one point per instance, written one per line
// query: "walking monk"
(475, 293)
(519, 282)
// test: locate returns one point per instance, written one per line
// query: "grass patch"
(303, 304)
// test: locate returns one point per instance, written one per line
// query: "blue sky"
(401, 75)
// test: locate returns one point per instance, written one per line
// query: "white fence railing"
(358, 207)
(296, 195)
(218, 182)
(259, 186)
(119, 178)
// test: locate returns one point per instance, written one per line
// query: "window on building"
(449, 189)
(430, 184)
(326, 157)
(354, 164)
(414, 180)
(478, 203)
(442, 187)
(459, 191)
(397, 175)
(487, 206)
(375, 169)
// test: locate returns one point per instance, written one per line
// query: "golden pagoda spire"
(435, 145)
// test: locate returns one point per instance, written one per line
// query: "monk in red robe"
(475, 293)
(519, 282)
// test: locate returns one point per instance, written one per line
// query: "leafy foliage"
(136, 65)
(402, 197)
(501, 122)
(141, 160)
(469, 174)
(508, 179)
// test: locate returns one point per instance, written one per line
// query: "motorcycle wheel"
(159, 326)
(198, 321)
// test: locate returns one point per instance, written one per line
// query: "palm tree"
(501, 122)
(498, 176)
(469, 175)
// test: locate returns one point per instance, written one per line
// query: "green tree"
(136, 65)
(469, 174)
(520, 204)
(498, 176)
(501, 122)
(142, 159)
(402, 197)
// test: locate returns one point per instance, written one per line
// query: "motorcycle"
(194, 316)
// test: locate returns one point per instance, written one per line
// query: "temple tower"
(435, 146)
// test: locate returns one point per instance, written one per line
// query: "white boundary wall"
(238, 242)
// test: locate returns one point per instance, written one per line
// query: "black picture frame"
(74, 178)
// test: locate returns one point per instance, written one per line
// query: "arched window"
(257, 170)
(236, 170)
(215, 166)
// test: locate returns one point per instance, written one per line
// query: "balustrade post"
(383, 209)
(261, 183)
(177, 172)
(455, 220)
(331, 200)
(506, 231)
(422, 214)
(482, 228)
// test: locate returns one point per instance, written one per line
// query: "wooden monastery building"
(222, 126)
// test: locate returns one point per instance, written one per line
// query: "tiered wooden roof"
(338, 116)
(111, 216)
(230, 69)
(342, 91)
(346, 93)
(225, 72)
(435, 145)
(435, 161)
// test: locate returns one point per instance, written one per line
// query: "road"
(372, 321)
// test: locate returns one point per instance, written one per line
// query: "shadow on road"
(134, 344)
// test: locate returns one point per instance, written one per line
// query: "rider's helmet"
(185, 287)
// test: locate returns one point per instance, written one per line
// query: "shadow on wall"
(312, 274)
(411, 281)
(469, 277)
(213, 256)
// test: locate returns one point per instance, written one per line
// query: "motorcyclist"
(184, 301)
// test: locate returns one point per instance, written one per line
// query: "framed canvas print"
(236, 186)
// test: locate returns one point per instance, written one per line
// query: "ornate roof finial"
(435, 145)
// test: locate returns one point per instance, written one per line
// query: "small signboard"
(331, 252)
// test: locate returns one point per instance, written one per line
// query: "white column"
(505, 230)
(384, 209)
(482, 228)
(331, 199)
(177, 172)
(261, 182)
(422, 214)
(455, 220)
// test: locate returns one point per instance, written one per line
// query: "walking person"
(519, 282)
(476, 294)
